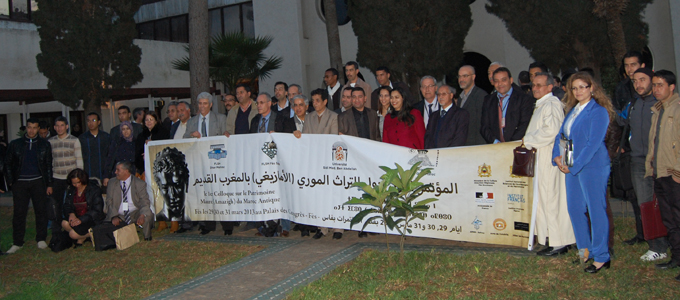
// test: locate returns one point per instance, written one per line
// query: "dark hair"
(139, 111)
(321, 92)
(127, 165)
(154, 115)
(540, 65)
(565, 77)
(404, 115)
(352, 63)
(383, 68)
(334, 71)
(524, 77)
(380, 89)
(666, 75)
(43, 125)
(285, 85)
(588, 70)
(61, 119)
(630, 54)
(502, 69)
(356, 88)
(557, 80)
(33, 121)
(245, 86)
(94, 114)
(125, 107)
(77, 173)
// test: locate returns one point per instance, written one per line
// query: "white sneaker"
(42, 245)
(653, 256)
(13, 249)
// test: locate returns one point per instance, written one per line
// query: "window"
(18, 10)
(180, 29)
(215, 22)
(161, 30)
(248, 20)
(232, 18)
(145, 31)
(4, 9)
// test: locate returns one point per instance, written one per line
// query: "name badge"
(125, 206)
(503, 122)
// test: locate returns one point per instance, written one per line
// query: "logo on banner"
(269, 149)
(499, 224)
(217, 152)
(484, 170)
(486, 198)
(339, 152)
(516, 198)
(420, 157)
(476, 223)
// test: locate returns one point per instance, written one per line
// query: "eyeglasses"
(539, 85)
(463, 76)
(442, 94)
(429, 86)
(580, 88)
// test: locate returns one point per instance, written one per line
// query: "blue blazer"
(587, 132)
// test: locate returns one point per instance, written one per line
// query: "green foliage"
(86, 48)
(566, 34)
(412, 37)
(235, 57)
(394, 200)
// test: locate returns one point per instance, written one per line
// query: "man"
(382, 74)
(206, 123)
(345, 101)
(662, 163)
(506, 112)
(525, 81)
(138, 115)
(639, 123)
(359, 121)
(471, 100)
(449, 126)
(300, 106)
(28, 171)
(172, 116)
(353, 80)
(180, 127)
(124, 115)
(333, 87)
(282, 105)
(44, 130)
(539, 67)
(492, 68)
(240, 116)
(67, 155)
(229, 101)
(268, 120)
(127, 201)
(429, 104)
(95, 146)
(625, 91)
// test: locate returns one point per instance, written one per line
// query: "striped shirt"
(66, 156)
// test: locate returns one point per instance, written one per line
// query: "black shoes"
(148, 239)
(635, 240)
(318, 235)
(228, 232)
(337, 235)
(592, 269)
(204, 231)
(76, 245)
(550, 251)
(363, 234)
(181, 230)
(304, 233)
(668, 265)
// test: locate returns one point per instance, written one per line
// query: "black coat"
(453, 130)
(15, 157)
(95, 152)
(517, 117)
(280, 123)
(120, 150)
(95, 204)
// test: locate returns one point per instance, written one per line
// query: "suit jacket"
(327, 125)
(408, 98)
(136, 131)
(217, 124)
(420, 105)
(337, 97)
(114, 196)
(474, 104)
(517, 117)
(347, 125)
(453, 130)
(233, 113)
(587, 133)
(173, 129)
(285, 112)
(277, 123)
(367, 90)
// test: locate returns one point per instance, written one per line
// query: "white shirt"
(131, 205)
(427, 111)
(181, 129)
(207, 124)
(572, 117)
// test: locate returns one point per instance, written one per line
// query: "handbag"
(102, 236)
(126, 237)
(60, 241)
(567, 151)
(524, 161)
(652, 224)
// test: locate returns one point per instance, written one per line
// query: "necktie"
(204, 132)
(261, 129)
(128, 218)
(501, 119)
(443, 113)
(429, 111)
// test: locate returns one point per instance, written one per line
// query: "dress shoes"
(580, 260)
(304, 232)
(337, 235)
(592, 269)
(181, 230)
(296, 227)
(285, 233)
(228, 232)
(204, 231)
(318, 235)
(363, 234)
(668, 265)
(635, 240)
(550, 251)
(148, 239)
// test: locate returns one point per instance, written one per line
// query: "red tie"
(501, 124)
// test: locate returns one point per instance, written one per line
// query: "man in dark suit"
(172, 116)
(471, 99)
(345, 101)
(334, 88)
(268, 120)
(359, 121)
(506, 113)
(127, 201)
(382, 74)
(449, 126)
(429, 104)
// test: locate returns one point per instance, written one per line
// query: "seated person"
(83, 206)
(127, 200)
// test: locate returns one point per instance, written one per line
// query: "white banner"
(258, 177)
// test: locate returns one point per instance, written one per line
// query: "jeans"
(25, 191)
(644, 191)
(668, 194)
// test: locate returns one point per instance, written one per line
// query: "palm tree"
(235, 58)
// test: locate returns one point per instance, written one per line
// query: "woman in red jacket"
(404, 126)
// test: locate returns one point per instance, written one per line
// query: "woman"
(383, 105)
(153, 131)
(588, 113)
(403, 126)
(83, 206)
(122, 149)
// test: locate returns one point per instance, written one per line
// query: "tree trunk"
(333, 36)
(199, 43)
(610, 11)
(91, 106)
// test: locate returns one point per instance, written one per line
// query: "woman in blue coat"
(588, 113)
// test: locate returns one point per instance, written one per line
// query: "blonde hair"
(596, 91)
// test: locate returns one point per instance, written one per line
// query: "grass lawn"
(82, 273)
(377, 275)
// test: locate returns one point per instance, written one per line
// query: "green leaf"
(369, 221)
(360, 216)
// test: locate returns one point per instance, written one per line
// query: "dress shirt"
(427, 111)
(131, 205)
(570, 121)
(181, 129)
(207, 124)
(264, 119)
